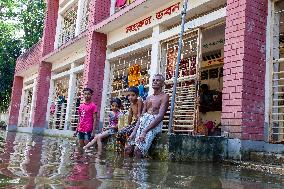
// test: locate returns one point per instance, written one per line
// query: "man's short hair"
(134, 90)
(161, 76)
(88, 89)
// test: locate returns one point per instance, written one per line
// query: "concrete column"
(80, 14)
(95, 65)
(33, 102)
(96, 51)
(70, 99)
(58, 31)
(104, 92)
(51, 89)
(15, 103)
(50, 23)
(20, 119)
(155, 55)
(244, 69)
(41, 97)
(112, 7)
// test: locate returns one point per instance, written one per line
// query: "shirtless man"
(150, 122)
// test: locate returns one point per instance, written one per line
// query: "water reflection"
(30, 161)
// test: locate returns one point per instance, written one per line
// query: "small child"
(133, 116)
(113, 124)
(87, 118)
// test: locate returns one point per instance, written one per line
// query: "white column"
(70, 99)
(51, 90)
(79, 19)
(155, 55)
(112, 7)
(105, 90)
(58, 30)
(21, 106)
(33, 101)
(269, 68)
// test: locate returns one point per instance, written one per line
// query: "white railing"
(66, 34)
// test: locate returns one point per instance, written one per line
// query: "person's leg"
(81, 139)
(128, 151)
(137, 153)
(81, 143)
(92, 142)
(87, 137)
(100, 137)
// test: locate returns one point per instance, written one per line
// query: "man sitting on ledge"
(150, 123)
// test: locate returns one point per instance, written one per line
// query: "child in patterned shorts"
(135, 110)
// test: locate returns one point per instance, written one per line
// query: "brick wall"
(41, 97)
(44, 71)
(96, 51)
(15, 101)
(244, 69)
(30, 58)
(50, 23)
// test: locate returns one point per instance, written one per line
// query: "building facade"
(233, 47)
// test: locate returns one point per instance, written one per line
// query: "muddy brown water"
(31, 161)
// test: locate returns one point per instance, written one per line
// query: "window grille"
(119, 83)
(26, 111)
(185, 105)
(59, 104)
(277, 110)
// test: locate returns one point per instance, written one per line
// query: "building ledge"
(138, 9)
(129, 13)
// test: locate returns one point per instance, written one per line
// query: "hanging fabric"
(134, 75)
(171, 62)
(120, 3)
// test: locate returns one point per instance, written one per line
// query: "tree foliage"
(21, 26)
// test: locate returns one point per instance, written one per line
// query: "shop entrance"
(198, 102)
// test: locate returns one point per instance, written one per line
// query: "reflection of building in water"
(20, 157)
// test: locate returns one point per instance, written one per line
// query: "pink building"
(234, 47)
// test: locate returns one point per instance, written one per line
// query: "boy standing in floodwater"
(87, 118)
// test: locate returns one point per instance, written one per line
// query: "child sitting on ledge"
(113, 124)
(134, 113)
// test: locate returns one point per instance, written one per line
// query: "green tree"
(16, 17)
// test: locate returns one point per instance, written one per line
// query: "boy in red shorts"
(87, 118)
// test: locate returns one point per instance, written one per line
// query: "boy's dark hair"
(88, 89)
(134, 90)
(117, 101)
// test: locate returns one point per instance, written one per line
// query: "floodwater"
(30, 161)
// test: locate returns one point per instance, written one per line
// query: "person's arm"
(140, 107)
(162, 111)
(130, 115)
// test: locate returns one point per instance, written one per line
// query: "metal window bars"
(186, 111)
(85, 18)
(59, 104)
(26, 111)
(276, 129)
(118, 82)
(68, 25)
(74, 120)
